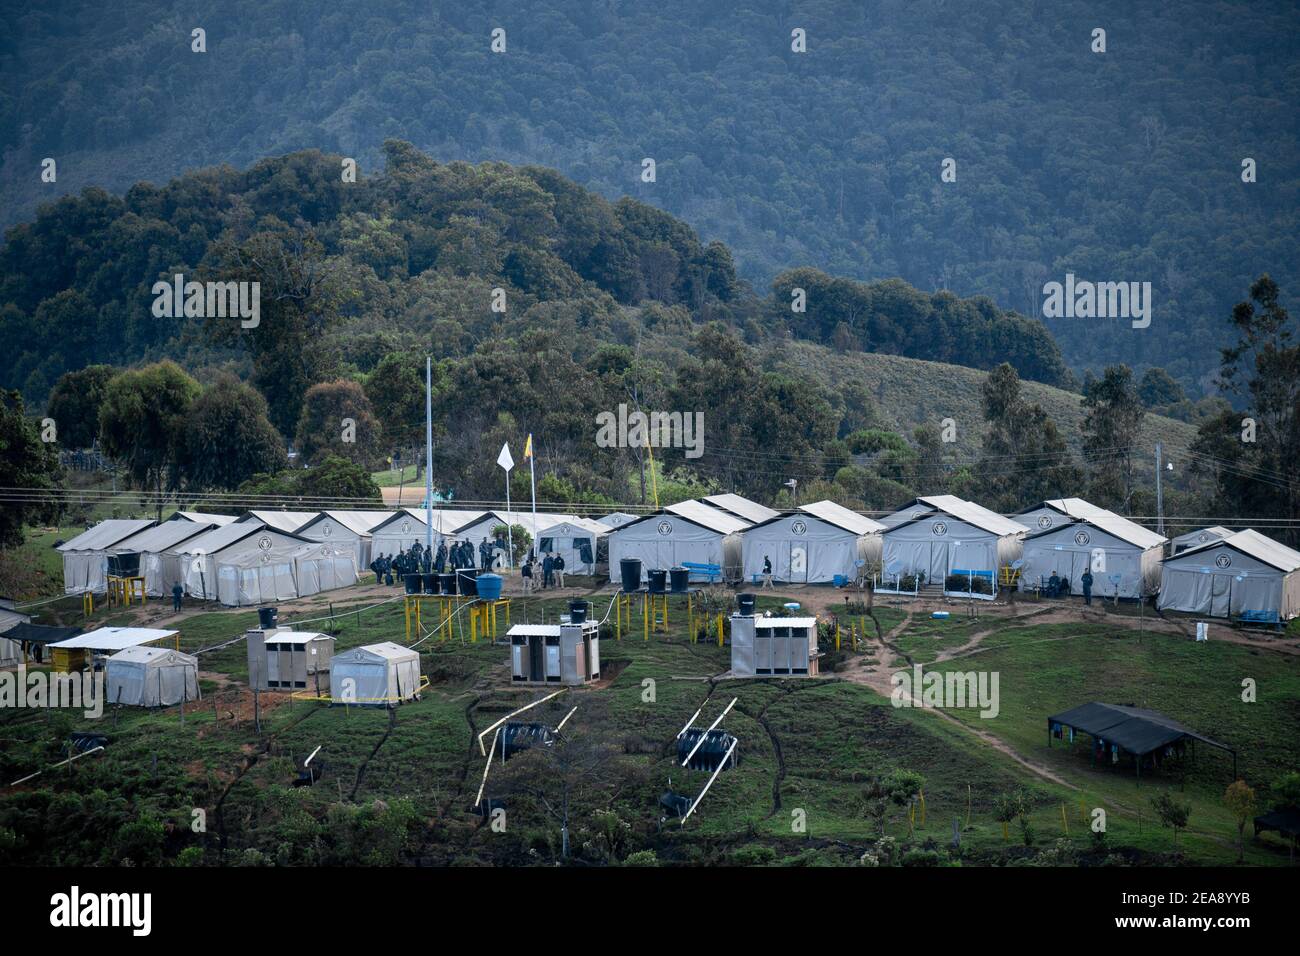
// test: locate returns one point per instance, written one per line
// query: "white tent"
(809, 546)
(377, 674)
(943, 535)
(11, 652)
(475, 530)
(151, 677)
(160, 565)
(1194, 539)
(577, 540)
(348, 528)
(406, 527)
(1124, 557)
(249, 564)
(685, 532)
(289, 521)
(85, 557)
(742, 507)
(1246, 573)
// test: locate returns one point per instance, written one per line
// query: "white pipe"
(565, 720)
(513, 713)
(696, 802)
(700, 742)
(689, 722)
(313, 754)
(488, 766)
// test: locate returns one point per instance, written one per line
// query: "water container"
(658, 579)
(448, 582)
(468, 580)
(629, 570)
(745, 603)
(680, 580)
(266, 618)
(431, 584)
(577, 612)
(414, 583)
(489, 587)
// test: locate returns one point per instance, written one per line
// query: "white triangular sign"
(504, 459)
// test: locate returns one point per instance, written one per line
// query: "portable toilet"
(555, 653)
(283, 659)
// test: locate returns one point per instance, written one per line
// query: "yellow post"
(719, 630)
(837, 635)
(645, 615)
(1065, 825)
(690, 614)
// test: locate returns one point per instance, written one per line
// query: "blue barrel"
(489, 587)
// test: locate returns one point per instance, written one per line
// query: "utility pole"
(1160, 494)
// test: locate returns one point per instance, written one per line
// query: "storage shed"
(1194, 539)
(813, 545)
(944, 535)
(1110, 546)
(555, 653)
(283, 659)
(687, 532)
(1245, 576)
(151, 677)
(85, 557)
(347, 529)
(377, 675)
(774, 646)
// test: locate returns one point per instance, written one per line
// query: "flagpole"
(428, 456)
(510, 541)
(532, 480)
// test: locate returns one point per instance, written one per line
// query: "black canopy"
(1132, 729)
(39, 633)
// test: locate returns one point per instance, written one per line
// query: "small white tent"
(160, 565)
(812, 545)
(1124, 557)
(577, 540)
(350, 529)
(151, 677)
(85, 557)
(944, 535)
(685, 532)
(375, 675)
(1246, 574)
(1194, 539)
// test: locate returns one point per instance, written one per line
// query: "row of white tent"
(1213, 571)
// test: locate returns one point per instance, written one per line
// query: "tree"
(25, 462)
(1172, 812)
(1024, 457)
(337, 420)
(1239, 798)
(228, 437)
(74, 404)
(1158, 388)
(142, 423)
(1113, 415)
(337, 477)
(395, 389)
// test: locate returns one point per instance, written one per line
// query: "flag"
(504, 459)
(528, 446)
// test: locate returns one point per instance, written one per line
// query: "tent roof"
(545, 519)
(1113, 525)
(969, 512)
(742, 507)
(1214, 531)
(616, 519)
(39, 633)
(445, 520)
(163, 536)
(1252, 544)
(202, 517)
(214, 539)
(106, 534)
(282, 636)
(358, 522)
(842, 517)
(533, 630)
(785, 622)
(1136, 730)
(387, 650)
(706, 517)
(149, 655)
(280, 520)
(586, 524)
(114, 638)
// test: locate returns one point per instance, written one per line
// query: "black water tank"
(431, 584)
(629, 570)
(746, 604)
(577, 612)
(658, 578)
(414, 583)
(468, 582)
(448, 583)
(125, 565)
(680, 579)
(266, 617)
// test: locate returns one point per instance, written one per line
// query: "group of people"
(417, 559)
(1058, 586)
(551, 567)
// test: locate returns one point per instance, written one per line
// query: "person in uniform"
(1086, 581)
(767, 571)
(178, 596)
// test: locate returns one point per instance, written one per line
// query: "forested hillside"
(1067, 160)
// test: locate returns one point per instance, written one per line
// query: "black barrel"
(266, 617)
(679, 579)
(746, 604)
(658, 578)
(448, 582)
(468, 582)
(629, 570)
(414, 583)
(431, 584)
(577, 612)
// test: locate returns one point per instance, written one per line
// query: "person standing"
(767, 571)
(1086, 581)
(178, 595)
(526, 573)
(548, 570)
(558, 565)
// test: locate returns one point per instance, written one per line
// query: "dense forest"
(1066, 159)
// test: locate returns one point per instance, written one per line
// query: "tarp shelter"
(685, 532)
(289, 521)
(475, 530)
(741, 507)
(1119, 728)
(32, 639)
(151, 677)
(943, 534)
(576, 540)
(351, 529)
(809, 546)
(616, 519)
(85, 557)
(160, 565)
(375, 675)
(1124, 557)
(1194, 539)
(1246, 574)
(406, 527)
(246, 563)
